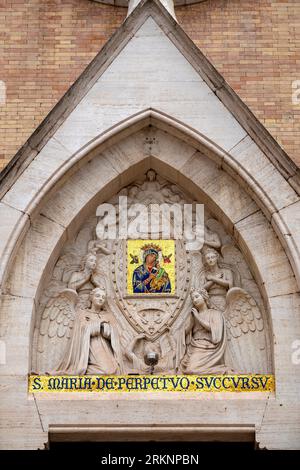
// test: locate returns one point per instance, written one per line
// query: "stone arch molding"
(116, 159)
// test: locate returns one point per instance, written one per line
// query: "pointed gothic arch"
(114, 160)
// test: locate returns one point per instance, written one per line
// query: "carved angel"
(56, 327)
(84, 279)
(214, 278)
(93, 269)
(242, 275)
(71, 282)
(154, 189)
(245, 332)
(94, 346)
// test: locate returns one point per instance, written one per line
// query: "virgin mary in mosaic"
(151, 266)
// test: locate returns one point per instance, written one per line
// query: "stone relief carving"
(214, 323)
(201, 350)
(94, 346)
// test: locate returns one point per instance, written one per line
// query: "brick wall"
(255, 45)
(46, 44)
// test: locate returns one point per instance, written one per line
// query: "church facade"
(153, 123)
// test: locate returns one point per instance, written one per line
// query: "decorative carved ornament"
(151, 305)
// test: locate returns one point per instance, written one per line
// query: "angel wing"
(245, 330)
(232, 256)
(55, 329)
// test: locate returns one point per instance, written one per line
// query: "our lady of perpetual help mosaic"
(151, 267)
